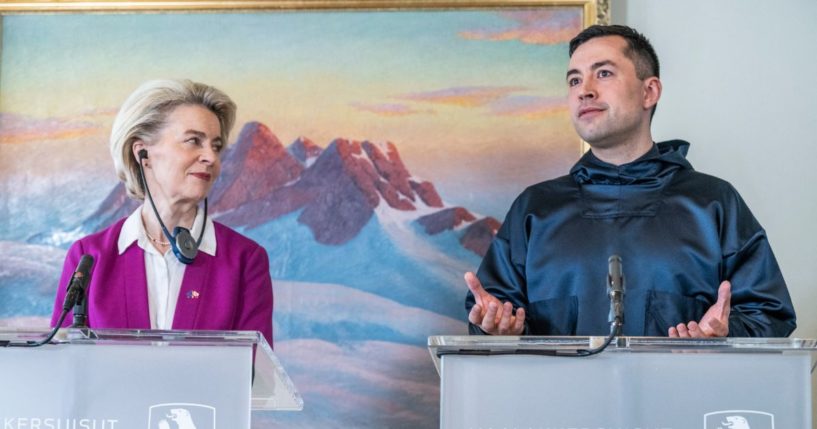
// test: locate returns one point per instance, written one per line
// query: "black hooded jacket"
(679, 233)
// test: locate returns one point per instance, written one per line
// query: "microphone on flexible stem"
(76, 295)
(615, 290)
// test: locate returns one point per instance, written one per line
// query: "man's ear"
(652, 92)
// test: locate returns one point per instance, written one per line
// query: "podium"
(122, 379)
(637, 382)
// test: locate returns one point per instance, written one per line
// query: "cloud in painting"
(463, 96)
(537, 27)
(24, 129)
(99, 112)
(389, 110)
(527, 106)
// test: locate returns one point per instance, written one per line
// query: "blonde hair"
(144, 113)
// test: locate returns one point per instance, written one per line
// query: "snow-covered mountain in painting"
(366, 259)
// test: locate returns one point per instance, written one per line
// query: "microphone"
(615, 290)
(184, 247)
(75, 297)
(78, 284)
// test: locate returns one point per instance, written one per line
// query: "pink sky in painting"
(15, 129)
(385, 109)
(546, 27)
(529, 107)
(468, 96)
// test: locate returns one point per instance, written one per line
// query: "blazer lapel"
(193, 290)
(134, 286)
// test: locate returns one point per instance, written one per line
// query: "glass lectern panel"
(202, 358)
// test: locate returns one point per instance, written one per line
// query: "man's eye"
(605, 73)
(573, 81)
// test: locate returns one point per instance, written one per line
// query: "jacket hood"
(662, 160)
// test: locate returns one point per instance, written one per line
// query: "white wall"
(740, 83)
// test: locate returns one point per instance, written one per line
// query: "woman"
(141, 278)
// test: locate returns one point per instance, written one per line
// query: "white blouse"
(164, 272)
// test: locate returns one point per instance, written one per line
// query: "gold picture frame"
(595, 11)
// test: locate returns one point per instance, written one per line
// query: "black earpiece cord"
(170, 238)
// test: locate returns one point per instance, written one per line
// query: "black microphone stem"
(75, 297)
(615, 290)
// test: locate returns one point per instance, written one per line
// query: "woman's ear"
(139, 151)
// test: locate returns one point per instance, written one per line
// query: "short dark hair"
(639, 49)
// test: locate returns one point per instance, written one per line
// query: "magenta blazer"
(229, 291)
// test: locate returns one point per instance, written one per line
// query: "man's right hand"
(491, 315)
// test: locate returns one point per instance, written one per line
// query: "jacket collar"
(662, 160)
(630, 190)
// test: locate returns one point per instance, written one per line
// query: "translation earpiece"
(184, 245)
(181, 241)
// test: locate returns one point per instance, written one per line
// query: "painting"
(378, 147)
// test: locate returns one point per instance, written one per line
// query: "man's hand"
(490, 314)
(715, 322)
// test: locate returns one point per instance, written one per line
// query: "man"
(695, 260)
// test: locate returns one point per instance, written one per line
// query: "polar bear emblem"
(178, 418)
(735, 422)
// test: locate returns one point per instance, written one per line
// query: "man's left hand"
(715, 322)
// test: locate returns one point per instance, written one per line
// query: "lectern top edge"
(84, 336)
(562, 346)
(623, 343)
